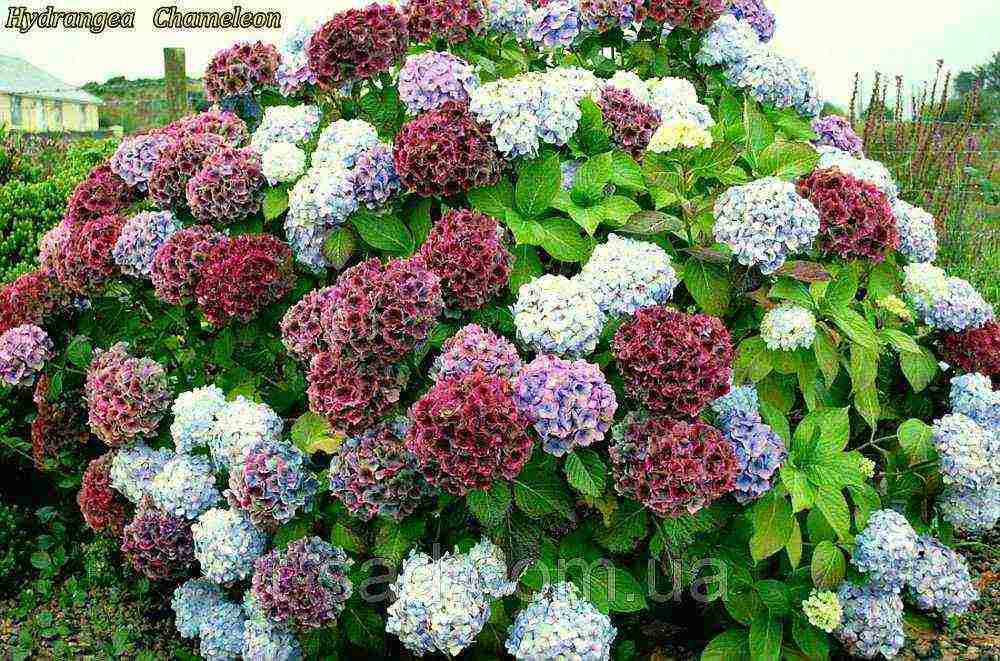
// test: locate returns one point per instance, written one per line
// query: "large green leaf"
(708, 284)
(275, 203)
(753, 361)
(312, 433)
(915, 438)
(539, 491)
(731, 645)
(787, 160)
(832, 504)
(625, 172)
(828, 566)
(592, 177)
(772, 519)
(490, 505)
(493, 200)
(586, 472)
(527, 266)
(561, 238)
(919, 368)
(339, 246)
(386, 233)
(765, 638)
(625, 528)
(538, 182)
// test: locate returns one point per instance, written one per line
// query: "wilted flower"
(193, 602)
(554, 314)
(157, 543)
(357, 43)
(226, 544)
(133, 469)
(185, 486)
(177, 262)
(823, 610)
(476, 348)
(559, 623)
(135, 157)
(788, 327)
(886, 550)
(836, 131)
(941, 580)
(301, 330)
(229, 187)
(24, 350)
(140, 237)
(918, 239)
(271, 483)
(126, 396)
(103, 510)
(759, 454)
(872, 621)
(194, 414)
(239, 425)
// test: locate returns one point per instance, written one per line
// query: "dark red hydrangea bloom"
(671, 467)
(974, 350)
(177, 164)
(357, 43)
(632, 122)
(465, 250)
(223, 123)
(229, 186)
(445, 151)
(856, 220)
(241, 69)
(694, 14)
(33, 298)
(381, 312)
(301, 330)
(352, 394)
(102, 507)
(674, 363)
(60, 423)
(304, 584)
(242, 276)
(177, 263)
(158, 544)
(102, 193)
(452, 20)
(467, 433)
(85, 262)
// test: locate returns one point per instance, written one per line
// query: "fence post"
(175, 82)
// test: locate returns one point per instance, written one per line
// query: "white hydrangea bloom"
(185, 486)
(283, 162)
(194, 417)
(554, 314)
(625, 275)
(238, 426)
(226, 544)
(788, 327)
(133, 469)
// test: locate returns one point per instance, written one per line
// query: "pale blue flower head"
(973, 395)
(944, 302)
(342, 141)
(872, 622)
(941, 580)
(972, 510)
(738, 401)
(759, 453)
(555, 24)
(507, 16)
(140, 237)
(554, 314)
(194, 417)
(221, 632)
(918, 240)
(318, 203)
(192, 602)
(240, 425)
(886, 550)
(295, 125)
(559, 623)
(788, 327)
(226, 544)
(777, 81)
(133, 469)
(969, 454)
(729, 42)
(624, 275)
(185, 486)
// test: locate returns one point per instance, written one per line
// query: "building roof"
(20, 77)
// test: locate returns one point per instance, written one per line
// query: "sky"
(835, 39)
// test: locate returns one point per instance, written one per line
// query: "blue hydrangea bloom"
(676, 100)
(192, 601)
(918, 240)
(777, 81)
(556, 23)
(341, 142)
(765, 222)
(738, 401)
(294, 71)
(568, 169)
(728, 42)
(133, 469)
(507, 16)
(292, 124)
(872, 622)
(941, 580)
(759, 452)
(264, 640)
(226, 544)
(558, 623)
(185, 486)
(624, 275)
(475, 347)
(943, 302)
(374, 176)
(194, 417)
(787, 328)
(969, 454)
(756, 13)
(221, 632)
(428, 79)
(973, 395)
(319, 202)
(886, 550)
(240, 425)
(970, 509)
(874, 172)
(554, 314)
(140, 237)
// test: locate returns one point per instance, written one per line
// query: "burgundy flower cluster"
(357, 43)
(126, 396)
(223, 123)
(241, 69)
(83, 261)
(158, 544)
(178, 163)
(102, 507)
(445, 151)
(350, 393)
(177, 263)
(242, 276)
(33, 298)
(974, 350)
(301, 327)
(856, 220)
(694, 14)
(467, 432)
(102, 193)
(631, 121)
(58, 424)
(464, 248)
(229, 186)
(674, 363)
(452, 20)
(670, 466)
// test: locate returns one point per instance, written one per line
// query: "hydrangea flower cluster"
(357, 43)
(918, 239)
(24, 350)
(757, 14)
(84, 263)
(679, 134)
(972, 510)
(671, 467)
(968, 452)
(226, 544)
(221, 632)
(293, 71)
(140, 237)
(759, 454)
(974, 349)
(856, 220)
(192, 602)
(282, 162)
(194, 414)
(185, 486)
(476, 348)
(465, 249)
(728, 42)
(102, 193)
(59, 424)
(973, 395)
(222, 123)
(451, 20)
(177, 263)
(239, 425)
(554, 24)
(352, 394)
(229, 187)
(765, 222)
(102, 508)
(739, 401)
(304, 584)
(554, 314)
(318, 203)
(134, 159)
(240, 70)
(341, 142)
(442, 605)
(788, 327)
(941, 580)
(374, 177)
(467, 432)
(301, 330)
(373, 474)
(944, 302)
(886, 550)
(674, 363)
(242, 276)
(695, 14)
(631, 121)
(293, 125)
(836, 131)
(445, 151)
(872, 621)
(265, 641)
(873, 172)
(823, 610)
(133, 469)
(601, 15)
(271, 483)
(126, 396)
(158, 544)
(558, 623)
(570, 404)
(33, 298)
(777, 80)
(624, 275)
(178, 162)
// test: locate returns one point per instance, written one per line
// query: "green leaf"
(586, 472)
(80, 352)
(900, 341)
(794, 291)
(863, 367)
(393, 540)
(832, 504)
(561, 238)
(539, 491)
(386, 233)
(312, 433)
(787, 160)
(420, 222)
(615, 586)
(828, 566)
(856, 327)
(625, 529)
(651, 222)
(527, 266)
(803, 271)
(919, 368)
(772, 519)
(275, 203)
(617, 210)
(625, 172)
(383, 109)
(813, 642)
(525, 230)
(344, 537)
(827, 356)
(794, 546)
(866, 403)
(490, 506)
(589, 218)
(753, 361)
(708, 285)
(842, 290)
(538, 182)
(775, 595)
(363, 627)
(41, 560)
(765, 638)
(916, 440)
(493, 200)
(592, 177)
(799, 488)
(730, 645)
(758, 132)
(339, 246)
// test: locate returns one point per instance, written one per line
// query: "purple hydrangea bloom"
(872, 622)
(756, 14)
(134, 159)
(24, 350)
(430, 78)
(759, 452)
(886, 550)
(554, 24)
(738, 401)
(570, 404)
(941, 580)
(475, 347)
(374, 176)
(140, 238)
(836, 131)
(271, 483)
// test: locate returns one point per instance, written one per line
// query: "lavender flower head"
(319, 202)
(558, 623)
(886, 550)
(282, 162)
(728, 42)
(941, 580)
(836, 131)
(918, 240)
(741, 401)
(555, 24)
(554, 314)
(756, 13)
(570, 404)
(474, 347)
(973, 395)
(140, 238)
(134, 159)
(374, 176)
(874, 172)
(872, 622)
(185, 486)
(195, 413)
(221, 632)
(777, 81)
(765, 222)
(759, 452)
(971, 509)
(624, 275)
(342, 141)
(192, 602)
(24, 350)
(226, 544)
(271, 483)
(240, 425)
(295, 125)
(430, 78)
(943, 302)
(788, 327)
(969, 454)
(293, 71)
(133, 469)
(507, 16)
